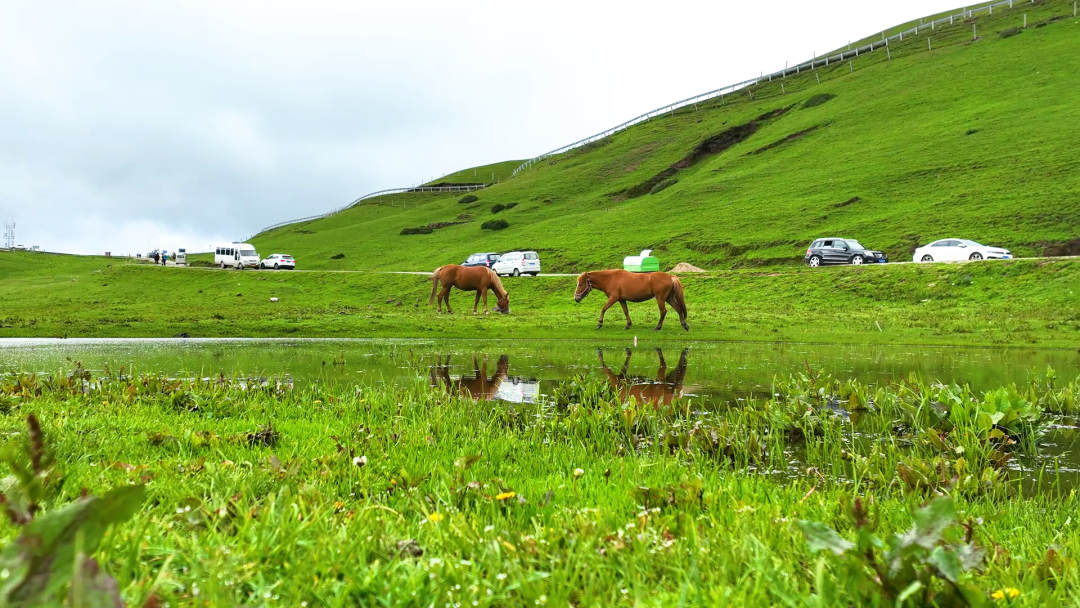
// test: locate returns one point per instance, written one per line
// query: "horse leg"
(663, 313)
(444, 295)
(611, 300)
(486, 310)
(626, 313)
(661, 374)
(626, 364)
(679, 304)
(476, 302)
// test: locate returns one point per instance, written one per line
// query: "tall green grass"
(343, 494)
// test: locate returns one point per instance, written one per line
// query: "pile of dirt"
(684, 267)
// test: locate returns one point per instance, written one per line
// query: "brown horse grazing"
(663, 390)
(469, 278)
(622, 286)
(479, 387)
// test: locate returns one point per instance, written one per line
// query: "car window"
(530, 256)
(855, 245)
(826, 244)
(947, 243)
(840, 244)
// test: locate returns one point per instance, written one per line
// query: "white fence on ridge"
(816, 62)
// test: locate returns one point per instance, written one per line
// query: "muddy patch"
(789, 138)
(712, 146)
(1053, 249)
(850, 201)
(818, 99)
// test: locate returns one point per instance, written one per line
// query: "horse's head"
(503, 305)
(584, 286)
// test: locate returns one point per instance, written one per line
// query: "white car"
(958, 250)
(516, 263)
(278, 260)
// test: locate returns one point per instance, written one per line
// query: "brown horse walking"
(469, 278)
(622, 286)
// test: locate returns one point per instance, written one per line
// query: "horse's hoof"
(657, 328)
(599, 325)
(686, 327)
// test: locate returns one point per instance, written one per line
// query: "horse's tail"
(434, 284)
(676, 297)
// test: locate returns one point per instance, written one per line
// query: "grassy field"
(1022, 302)
(326, 495)
(972, 140)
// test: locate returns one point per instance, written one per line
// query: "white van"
(515, 263)
(236, 255)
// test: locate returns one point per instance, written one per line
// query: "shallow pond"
(705, 369)
(520, 371)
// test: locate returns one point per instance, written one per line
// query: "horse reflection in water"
(666, 387)
(479, 386)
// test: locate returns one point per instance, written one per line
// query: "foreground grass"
(1022, 302)
(369, 495)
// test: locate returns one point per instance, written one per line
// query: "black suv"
(481, 259)
(842, 251)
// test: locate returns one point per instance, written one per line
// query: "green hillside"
(482, 174)
(974, 139)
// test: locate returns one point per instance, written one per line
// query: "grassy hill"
(483, 174)
(974, 139)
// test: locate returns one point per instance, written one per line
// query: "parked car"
(181, 257)
(841, 251)
(957, 250)
(515, 263)
(236, 255)
(481, 259)
(278, 260)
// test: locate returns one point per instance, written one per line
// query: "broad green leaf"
(930, 522)
(946, 562)
(820, 537)
(40, 562)
(92, 587)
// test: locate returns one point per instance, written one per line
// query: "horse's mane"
(497, 283)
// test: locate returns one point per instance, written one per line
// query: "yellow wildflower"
(505, 495)
(1010, 592)
(435, 517)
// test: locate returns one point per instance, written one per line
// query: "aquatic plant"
(924, 566)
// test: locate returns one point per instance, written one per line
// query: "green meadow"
(1018, 302)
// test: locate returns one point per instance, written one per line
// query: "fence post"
(974, 36)
(783, 91)
(851, 66)
(818, 76)
(1025, 20)
(928, 47)
(888, 53)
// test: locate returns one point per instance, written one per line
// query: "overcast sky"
(130, 126)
